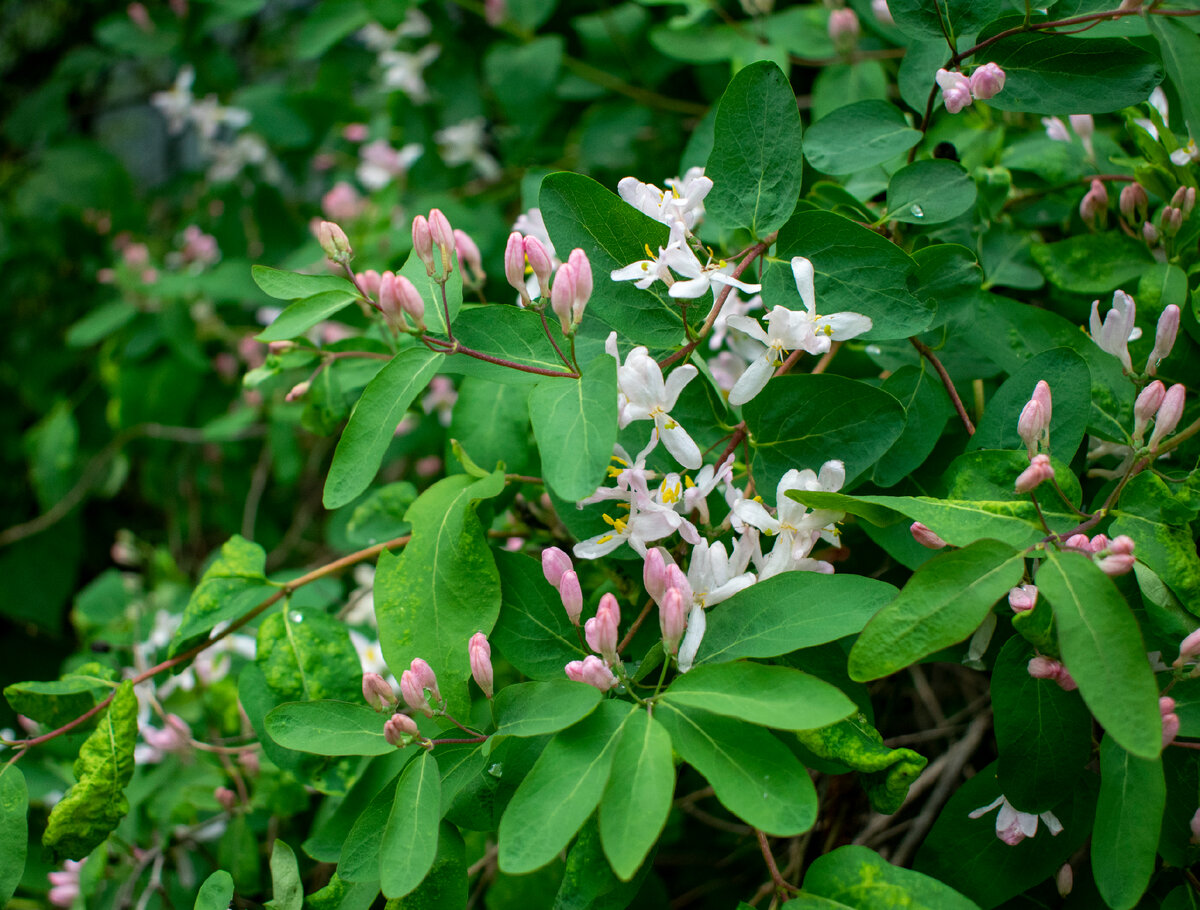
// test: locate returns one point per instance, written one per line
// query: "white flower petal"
(751, 382)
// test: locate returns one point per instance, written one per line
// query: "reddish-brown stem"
(546, 328)
(473, 739)
(284, 591)
(457, 347)
(925, 352)
(776, 877)
(637, 624)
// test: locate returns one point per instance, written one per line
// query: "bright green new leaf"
(373, 423)
(291, 286)
(754, 775)
(794, 423)
(216, 893)
(858, 136)
(304, 314)
(790, 611)
(755, 163)
(636, 803)
(575, 424)
(942, 604)
(95, 805)
(772, 696)
(930, 192)
(533, 631)
(860, 878)
(285, 879)
(1102, 648)
(410, 841)
(443, 588)
(233, 583)
(1133, 793)
(306, 655)
(328, 728)
(14, 829)
(534, 708)
(561, 790)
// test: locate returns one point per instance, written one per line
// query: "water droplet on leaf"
(917, 212)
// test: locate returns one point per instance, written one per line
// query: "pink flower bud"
(423, 243)
(376, 691)
(355, 132)
(368, 282)
(572, 595)
(956, 89)
(1039, 470)
(654, 574)
(334, 242)
(1189, 649)
(1122, 544)
(672, 619)
(389, 300)
(540, 262)
(443, 238)
(248, 759)
(1031, 425)
(1099, 543)
(593, 671)
(926, 537)
(1116, 564)
(882, 12)
(1189, 201)
(1164, 337)
(1172, 221)
(583, 284)
(1150, 233)
(1064, 880)
(601, 631)
(677, 579)
(1170, 720)
(226, 798)
(410, 301)
(1148, 402)
(562, 296)
(554, 563)
(1078, 542)
(426, 678)
(1194, 824)
(1134, 202)
(1094, 205)
(400, 729)
(843, 28)
(987, 81)
(495, 11)
(413, 694)
(1168, 415)
(1056, 130)
(514, 265)
(469, 256)
(342, 203)
(1083, 125)
(1041, 394)
(480, 654)
(1049, 668)
(1023, 598)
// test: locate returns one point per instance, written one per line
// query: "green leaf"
(575, 424)
(886, 774)
(534, 708)
(445, 887)
(1103, 650)
(287, 891)
(55, 702)
(755, 164)
(579, 212)
(95, 805)
(1180, 49)
(328, 834)
(533, 631)
(772, 696)
(306, 655)
(216, 893)
(291, 286)
(1093, 263)
(942, 604)
(752, 773)
(1056, 74)
(410, 841)
(342, 895)
(926, 409)
(234, 582)
(1133, 794)
(937, 18)
(511, 333)
(929, 192)
(636, 803)
(436, 303)
(1044, 735)
(561, 790)
(328, 728)
(328, 25)
(857, 271)
(14, 828)
(491, 423)
(858, 136)
(380, 515)
(304, 314)
(1148, 511)
(794, 423)
(443, 588)
(359, 860)
(859, 877)
(373, 423)
(100, 323)
(787, 612)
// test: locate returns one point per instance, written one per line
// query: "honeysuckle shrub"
(602, 457)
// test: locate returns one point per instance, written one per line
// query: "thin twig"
(769, 858)
(925, 352)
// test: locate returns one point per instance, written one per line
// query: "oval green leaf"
(410, 841)
(771, 696)
(328, 728)
(929, 192)
(858, 136)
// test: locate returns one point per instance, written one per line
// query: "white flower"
(370, 656)
(463, 143)
(796, 528)
(1118, 329)
(645, 395)
(380, 163)
(404, 72)
(1187, 154)
(1012, 826)
(176, 102)
(700, 278)
(734, 306)
(682, 205)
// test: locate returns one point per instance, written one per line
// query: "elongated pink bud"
(1119, 558)
(677, 579)
(602, 630)
(1023, 598)
(572, 595)
(1094, 205)
(1148, 402)
(389, 300)
(1149, 234)
(226, 798)
(554, 562)
(843, 29)
(423, 243)
(1172, 220)
(514, 265)
(1079, 542)
(480, 654)
(1084, 125)
(425, 676)
(654, 574)
(1133, 202)
(1049, 668)
(1031, 425)
(583, 284)
(377, 692)
(469, 257)
(1194, 824)
(1064, 880)
(562, 296)
(1164, 337)
(1170, 720)
(1168, 415)
(298, 391)
(540, 262)
(1039, 470)
(400, 730)
(672, 619)
(413, 693)
(368, 281)
(410, 300)
(956, 89)
(926, 537)
(1189, 649)
(334, 242)
(987, 81)
(1041, 394)
(593, 671)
